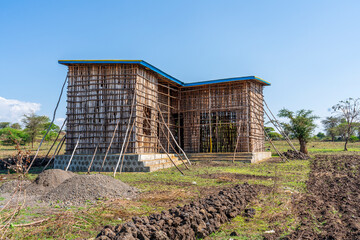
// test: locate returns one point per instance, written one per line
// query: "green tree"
(301, 125)
(272, 133)
(53, 132)
(330, 124)
(15, 126)
(34, 124)
(353, 139)
(4, 124)
(349, 110)
(9, 135)
(320, 135)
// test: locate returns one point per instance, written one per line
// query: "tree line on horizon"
(343, 126)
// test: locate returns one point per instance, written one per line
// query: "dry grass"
(11, 151)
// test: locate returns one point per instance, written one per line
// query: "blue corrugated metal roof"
(164, 74)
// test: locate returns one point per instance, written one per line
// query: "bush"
(50, 136)
(7, 136)
(353, 138)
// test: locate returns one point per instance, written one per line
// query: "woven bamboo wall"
(207, 118)
(101, 95)
(218, 116)
(98, 96)
(256, 116)
(154, 92)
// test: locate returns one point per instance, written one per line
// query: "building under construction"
(133, 109)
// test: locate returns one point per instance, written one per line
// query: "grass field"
(10, 151)
(276, 182)
(317, 147)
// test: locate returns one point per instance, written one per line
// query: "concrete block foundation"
(131, 162)
(245, 157)
(150, 162)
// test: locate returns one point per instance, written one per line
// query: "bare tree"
(349, 110)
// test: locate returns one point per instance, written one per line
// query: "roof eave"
(160, 72)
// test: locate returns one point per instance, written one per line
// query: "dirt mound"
(192, 221)
(291, 154)
(330, 209)
(67, 188)
(81, 188)
(48, 180)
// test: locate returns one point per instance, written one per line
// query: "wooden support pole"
(54, 141)
(172, 135)
(127, 130)
(237, 140)
(122, 159)
(57, 149)
(93, 157)
(57, 105)
(72, 155)
(162, 147)
(269, 139)
(107, 151)
(276, 124)
(169, 143)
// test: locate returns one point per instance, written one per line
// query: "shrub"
(7, 136)
(353, 138)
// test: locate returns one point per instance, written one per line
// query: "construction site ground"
(281, 188)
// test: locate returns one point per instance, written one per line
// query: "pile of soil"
(330, 209)
(67, 188)
(45, 182)
(48, 180)
(81, 188)
(291, 154)
(192, 221)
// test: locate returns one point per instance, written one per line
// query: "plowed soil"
(330, 209)
(234, 177)
(192, 221)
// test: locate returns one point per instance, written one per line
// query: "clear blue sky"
(308, 50)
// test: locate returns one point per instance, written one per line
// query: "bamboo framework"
(205, 118)
(216, 115)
